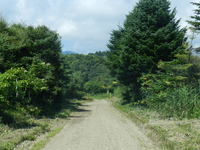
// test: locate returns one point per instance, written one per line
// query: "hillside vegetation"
(90, 73)
(149, 66)
(153, 61)
(151, 58)
(39, 84)
(33, 77)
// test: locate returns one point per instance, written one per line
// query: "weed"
(42, 143)
(167, 134)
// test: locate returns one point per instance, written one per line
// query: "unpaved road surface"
(99, 126)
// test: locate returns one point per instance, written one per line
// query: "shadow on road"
(81, 111)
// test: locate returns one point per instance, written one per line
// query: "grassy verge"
(38, 133)
(168, 134)
(41, 144)
(10, 138)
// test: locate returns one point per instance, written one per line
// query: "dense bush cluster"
(174, 89)
(33, 76)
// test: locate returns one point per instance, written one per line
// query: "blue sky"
(85, 25)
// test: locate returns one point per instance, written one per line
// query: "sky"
(84, 25)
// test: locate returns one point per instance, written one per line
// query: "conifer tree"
(150, 34)
(195, 20)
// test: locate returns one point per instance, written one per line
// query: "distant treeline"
(90, 73)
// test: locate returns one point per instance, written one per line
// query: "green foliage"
(174, 91)
(150, 34)
(95, 87)
(15, 117)
(195, 19)
(17, 84)
(89, 73)
(149, 55)
(180, 102)
(33, 75)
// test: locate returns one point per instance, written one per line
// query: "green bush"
(33, 75)
(95, 87)
(16, 118)
(174, 90)
(179, 102)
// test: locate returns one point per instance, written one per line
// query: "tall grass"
(181, 102)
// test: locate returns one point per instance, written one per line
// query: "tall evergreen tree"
(195, 20)
(150, 34)
(115, 50)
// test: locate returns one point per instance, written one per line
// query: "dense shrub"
(17, 86)
(174, 90)
(180, 102)
(33, 75)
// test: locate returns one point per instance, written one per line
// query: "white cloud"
(105, 8)
(67, 28)
(84, 25)
(21, 4)
(88, 23)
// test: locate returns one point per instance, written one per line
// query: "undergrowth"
(181, 102)
(19, 127)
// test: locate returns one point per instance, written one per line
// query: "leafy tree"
(89, 73)
(32, 70)
(18, 86)
(150, 34)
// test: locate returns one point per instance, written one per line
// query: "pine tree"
(150, 34)
(195, 22)
(115, 50)
(195, 27)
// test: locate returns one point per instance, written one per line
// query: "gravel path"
(99, 126)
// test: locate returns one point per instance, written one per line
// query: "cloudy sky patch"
(85, 25)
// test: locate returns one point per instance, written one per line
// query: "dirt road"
(99, 126)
